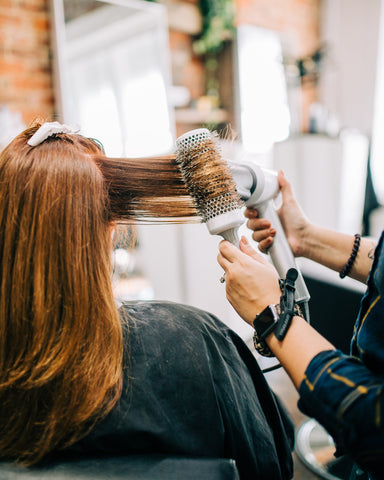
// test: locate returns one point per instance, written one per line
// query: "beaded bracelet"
(348, 266)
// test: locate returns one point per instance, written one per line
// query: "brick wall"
(298, 23)
(25, 69)
(297, 20)
(187, 68)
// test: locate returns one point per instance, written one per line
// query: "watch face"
(265, 319)
(269, 314)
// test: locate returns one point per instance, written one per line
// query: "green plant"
(218, 25)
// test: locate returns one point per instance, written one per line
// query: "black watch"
(265, 323)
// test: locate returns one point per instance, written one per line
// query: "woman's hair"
(61, 341)
(146, 189)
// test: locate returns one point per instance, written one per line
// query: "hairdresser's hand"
(252, 283)
(292, 218)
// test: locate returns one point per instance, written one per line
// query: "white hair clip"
(48, 129)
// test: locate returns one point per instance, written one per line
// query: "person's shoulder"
(181, 331)
(171, 315)
(164, 310)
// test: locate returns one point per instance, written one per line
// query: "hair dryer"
(199, 159)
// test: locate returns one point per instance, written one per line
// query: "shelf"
(183, 17)
(198, 117)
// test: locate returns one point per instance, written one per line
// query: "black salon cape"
(192, 387)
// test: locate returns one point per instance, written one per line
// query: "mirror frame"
(58, 41)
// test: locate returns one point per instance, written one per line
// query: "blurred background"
(290, 84)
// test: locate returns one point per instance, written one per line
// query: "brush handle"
(232, 235)
(281, 253)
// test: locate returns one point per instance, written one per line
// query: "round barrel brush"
(209, 181)
(220, 189)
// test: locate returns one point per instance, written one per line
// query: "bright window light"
(118, 81)
(264, 111)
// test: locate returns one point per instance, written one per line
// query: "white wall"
(328, 177)
(180, 262)
(377, 152)
(350, 29)
(351, 84)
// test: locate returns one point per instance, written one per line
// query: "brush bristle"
(206, 174)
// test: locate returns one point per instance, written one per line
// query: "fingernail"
(244, 241)
(268, 246)
(272, 232)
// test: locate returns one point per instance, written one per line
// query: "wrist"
(267, 324)
(250, 315)
(307, 243)
(264, 325)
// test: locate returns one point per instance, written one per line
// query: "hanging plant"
(218, 25)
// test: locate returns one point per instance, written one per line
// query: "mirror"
(315, 448)
(113, 73)
(263, 111)
(113, 78)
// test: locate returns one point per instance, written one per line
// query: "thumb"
(246, 248)
(285, 186)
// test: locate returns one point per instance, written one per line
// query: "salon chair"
(314, 446)
(135, 467)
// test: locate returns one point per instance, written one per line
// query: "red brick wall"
(187, 68)
(297, 20)
(25, 70)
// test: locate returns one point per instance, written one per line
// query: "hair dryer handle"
(281, 253)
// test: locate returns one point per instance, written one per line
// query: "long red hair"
(60, 333)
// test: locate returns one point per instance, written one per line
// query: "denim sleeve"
(347, 399)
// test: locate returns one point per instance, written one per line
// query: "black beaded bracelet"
(348, 266)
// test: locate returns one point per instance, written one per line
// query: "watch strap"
(268, 327)
(259, 342)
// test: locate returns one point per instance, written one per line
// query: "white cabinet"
(180, 262)
(328, 176)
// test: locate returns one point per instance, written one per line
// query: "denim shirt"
(345, 393)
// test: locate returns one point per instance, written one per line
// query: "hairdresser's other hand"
(291, 216)
(252, 283)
